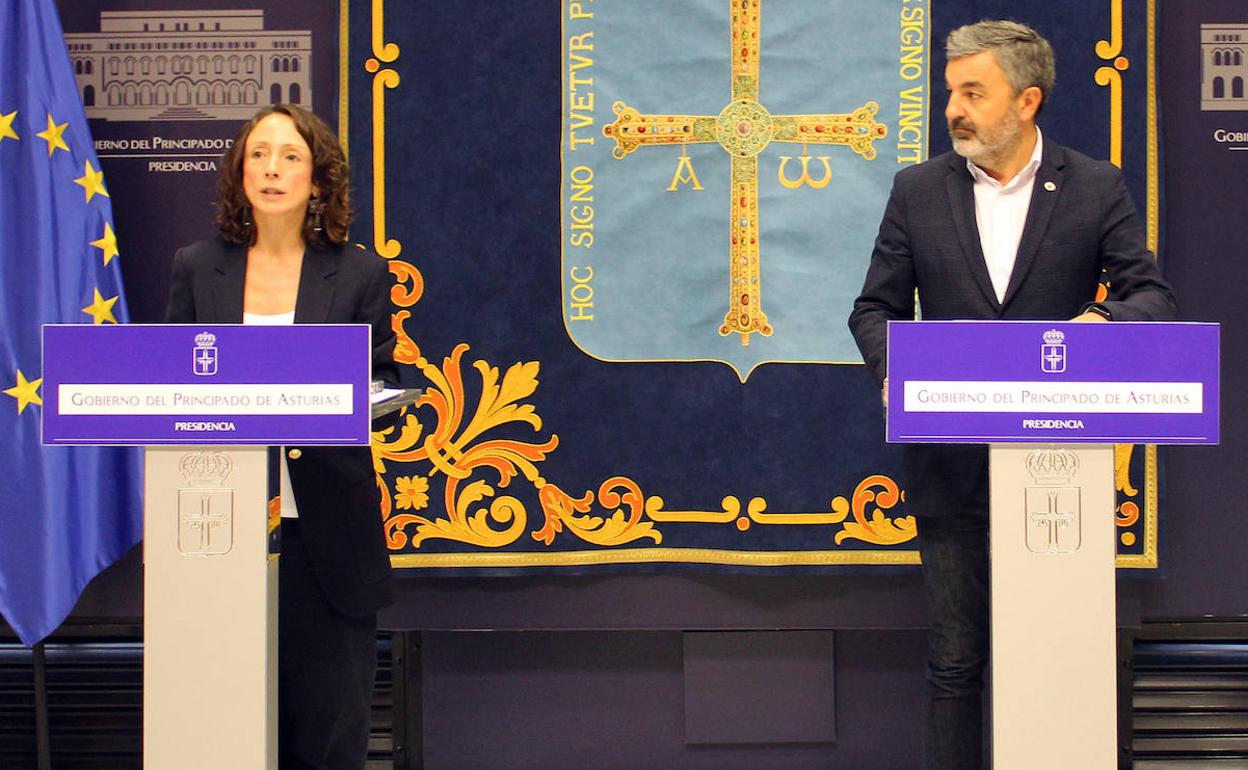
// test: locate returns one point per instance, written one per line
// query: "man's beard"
(987, 147)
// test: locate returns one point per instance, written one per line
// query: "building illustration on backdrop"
(189, 65)
(1223, 66)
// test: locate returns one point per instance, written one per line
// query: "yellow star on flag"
(93, 182)
(26, 392)
(107, 243)
(6, 126)
(53, 136)
(101, 309)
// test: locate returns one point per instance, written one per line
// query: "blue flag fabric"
(65, 513)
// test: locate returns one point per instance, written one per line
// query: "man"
(1009, 225)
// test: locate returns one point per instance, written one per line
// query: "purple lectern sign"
(1038, 381)
(206, 384)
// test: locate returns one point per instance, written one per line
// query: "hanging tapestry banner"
(626, 240)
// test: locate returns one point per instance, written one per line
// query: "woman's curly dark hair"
(330, 175)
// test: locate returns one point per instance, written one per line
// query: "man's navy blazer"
(335, 487)
(1081, 221)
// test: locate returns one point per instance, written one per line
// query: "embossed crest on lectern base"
(1053, 512)
(205, 505)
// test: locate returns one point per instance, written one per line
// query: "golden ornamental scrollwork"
(1122, 469)
(1128, 513)
(409, 284)
(455, 442)
(475, 512)
(1111, 77)
(382, 244)
(382, 51)
(459, 467)
(460, 443)
(1108, 49)
(880, 494)
(459, 446)
(619, 528)
(383, 80)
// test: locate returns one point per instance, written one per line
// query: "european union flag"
(65, 513)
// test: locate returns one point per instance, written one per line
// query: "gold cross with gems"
(744, 129)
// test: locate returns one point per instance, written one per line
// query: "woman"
(281, 257)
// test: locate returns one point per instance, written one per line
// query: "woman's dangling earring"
(314, 208)
(246, 216)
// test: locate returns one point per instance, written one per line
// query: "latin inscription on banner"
(725, 167)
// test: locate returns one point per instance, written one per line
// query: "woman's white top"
(289, 509)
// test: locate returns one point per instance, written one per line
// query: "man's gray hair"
(1024, 56)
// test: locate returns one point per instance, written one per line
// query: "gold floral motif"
(559, 506)
(456, 451)
(458, 447)
(476, 528)
(411, 492)
(879, 529)
(617, 529)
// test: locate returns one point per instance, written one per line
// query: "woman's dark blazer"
(335, 487)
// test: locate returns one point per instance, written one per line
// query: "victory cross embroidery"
(656, 93)
(744, 129)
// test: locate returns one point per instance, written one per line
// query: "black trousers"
(326, 665)
(956, 583)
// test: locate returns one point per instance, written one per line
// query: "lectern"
(208, 401)
(1051, 400)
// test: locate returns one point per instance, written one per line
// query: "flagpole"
(43, 744)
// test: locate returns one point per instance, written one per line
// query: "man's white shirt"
(1001, 214)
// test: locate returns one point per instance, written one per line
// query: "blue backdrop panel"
(535, 449)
